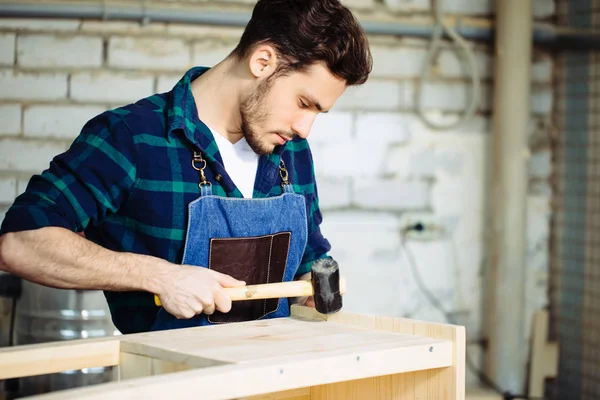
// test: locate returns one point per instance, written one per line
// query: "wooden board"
(306, 356)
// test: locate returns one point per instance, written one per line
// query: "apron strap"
(199, 164)
(205, 190)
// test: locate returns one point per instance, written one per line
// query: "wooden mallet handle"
(271, 291)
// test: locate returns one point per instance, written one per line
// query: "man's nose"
(303, 126)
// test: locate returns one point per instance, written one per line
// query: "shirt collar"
(183, 115)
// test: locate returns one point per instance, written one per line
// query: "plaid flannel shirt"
(127, 179)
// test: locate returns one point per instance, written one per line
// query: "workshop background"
(384, 163)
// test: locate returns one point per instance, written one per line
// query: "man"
(208, 186)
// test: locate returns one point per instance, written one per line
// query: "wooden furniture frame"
(306, 356)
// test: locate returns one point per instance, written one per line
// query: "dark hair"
(304, 32)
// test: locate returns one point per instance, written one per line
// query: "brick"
(198, 31)
(39, 24)
(110, 87)
(542, 68)
(544, 9)
(124, 27)
(349, 231)
(393, 62)
(460, 196)
(63, 122)
(368, 238)
(208, 53)
(454, 64)
(382, 128)
(28, 156)
(475, 126)
(38, 51)
(331, 128)
(374, 95)
(541, 100)
(10, 115)
(148, 53)
(450, 96)
(359, 4)
(8, 190)
(333, 193)
(407, 5)
(408, 162)
(347, 159)
(391, 194)
(539, 213)
(3, 211)
(540, 165)
(7, 48)
(166, 82)
(32, 86)
(21, 186)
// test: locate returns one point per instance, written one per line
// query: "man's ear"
(263, 61)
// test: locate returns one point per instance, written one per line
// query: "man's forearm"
(59, 258)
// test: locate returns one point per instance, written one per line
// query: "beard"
(254, 115)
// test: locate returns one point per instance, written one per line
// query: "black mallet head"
(326, 286)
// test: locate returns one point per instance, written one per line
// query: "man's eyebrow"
(316, 103)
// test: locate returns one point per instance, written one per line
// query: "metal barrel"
(46, 315)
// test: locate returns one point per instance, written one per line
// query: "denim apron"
(254, 240)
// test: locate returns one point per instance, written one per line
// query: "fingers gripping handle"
(271, 291)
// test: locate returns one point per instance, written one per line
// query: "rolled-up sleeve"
(92, 178)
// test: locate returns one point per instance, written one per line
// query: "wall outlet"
(421, 226)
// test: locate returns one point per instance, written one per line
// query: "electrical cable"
(436, 43)
(436, 303)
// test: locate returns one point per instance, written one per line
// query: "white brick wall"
(34, 25)
(39, 51)
(210, 52)
(382, 129)
(8, 189)
(391, 194)
(7, 49)
(331, 128)
(374, 95)
(10, 115)
(334, 193)
(28, 156)
(165, 83)
(52, 121)
(148, 53)
(541, 8)
(106, 87)
(32, 86)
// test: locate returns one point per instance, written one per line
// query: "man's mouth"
(283, 139)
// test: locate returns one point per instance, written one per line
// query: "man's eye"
(303, 104)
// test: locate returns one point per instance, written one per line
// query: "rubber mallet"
(326, 286)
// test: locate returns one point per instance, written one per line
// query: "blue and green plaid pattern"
(127, 179)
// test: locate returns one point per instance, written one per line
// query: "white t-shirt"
(240, 162)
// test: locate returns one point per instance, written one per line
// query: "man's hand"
(187, 291)
(304, 301)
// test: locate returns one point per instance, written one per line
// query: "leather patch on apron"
(255, 260)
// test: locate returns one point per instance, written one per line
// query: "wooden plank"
(284, 357)
(136, 366)
(544, 355)
(262, 340)
(391, 387)
(39, 359)
(296, 394)
(442, 384)
(273, 375)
